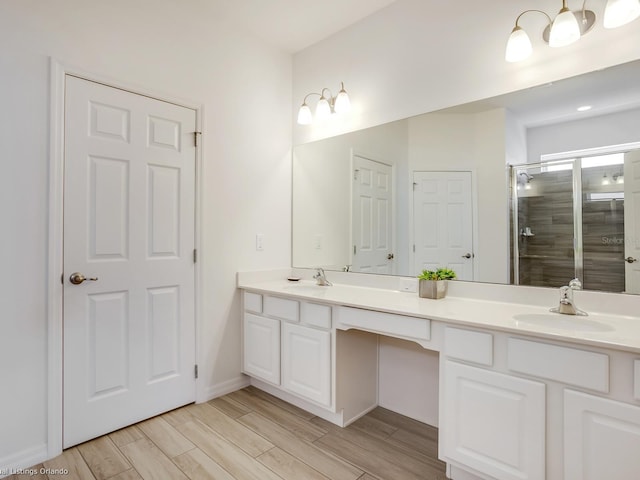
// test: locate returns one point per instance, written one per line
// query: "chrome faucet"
(567, 305)
(321, 279)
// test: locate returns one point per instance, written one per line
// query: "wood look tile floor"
(250, 435)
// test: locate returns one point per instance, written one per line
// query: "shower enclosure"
(567, 221)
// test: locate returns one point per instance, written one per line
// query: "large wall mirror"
(533, 187)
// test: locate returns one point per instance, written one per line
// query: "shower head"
(527, 178)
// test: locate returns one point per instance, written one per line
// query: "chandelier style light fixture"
(327, 104)
(569, 26)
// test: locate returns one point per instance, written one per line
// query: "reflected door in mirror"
(443, 222)
(372, 217)
(632, 221)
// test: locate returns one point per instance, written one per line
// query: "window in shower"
(568, 221)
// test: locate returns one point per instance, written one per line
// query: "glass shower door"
(544, 223)
(603, 223)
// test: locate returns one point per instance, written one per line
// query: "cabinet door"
(306, 362)
(493, 423)
(262, 347)
(601, 438)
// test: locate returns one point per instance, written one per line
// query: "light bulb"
(323, 109)
(304, 115)
(342, 103)
(564, 30)
(620, 12)
(605, 180)
(518, 46)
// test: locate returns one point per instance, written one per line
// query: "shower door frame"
(574, 157)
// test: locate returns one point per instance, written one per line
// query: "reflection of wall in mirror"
(322, 193)
(592, 132)
(481, 143)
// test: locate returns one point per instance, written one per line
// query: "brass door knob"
(77, 278)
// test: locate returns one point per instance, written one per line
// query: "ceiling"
(293, 25)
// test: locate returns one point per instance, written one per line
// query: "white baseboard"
(219, 389)
(23, 460)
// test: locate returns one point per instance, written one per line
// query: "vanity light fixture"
(568, 26)
(327, 104)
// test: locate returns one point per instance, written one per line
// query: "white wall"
(417, 56)
(162, 46)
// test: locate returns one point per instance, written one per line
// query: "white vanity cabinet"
(261, 352)
(512, 404)
(261, 341)
(601, 438)
(306, 362)
(490, 422)
(287, 343)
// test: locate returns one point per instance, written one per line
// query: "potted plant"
(433, 283)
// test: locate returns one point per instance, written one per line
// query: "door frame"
(58, 72)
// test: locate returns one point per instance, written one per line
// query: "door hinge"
(62, 278)
(355, 174)
(195, 138)
(414, 248)
(414, 185)
(354, 249)
(195, 371)
(195, 255)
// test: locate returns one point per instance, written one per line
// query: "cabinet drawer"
(253, 302)
(315, 315)
(476, 347)
(563, 364)
(283, 308)
(386, 323)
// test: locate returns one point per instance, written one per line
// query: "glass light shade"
(620, 12)
(564, 30)
(342, 103)
(323, 109)
(518, 46)
(304, 115)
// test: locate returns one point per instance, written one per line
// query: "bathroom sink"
(574, 323)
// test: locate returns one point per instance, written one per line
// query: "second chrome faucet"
(567, 305)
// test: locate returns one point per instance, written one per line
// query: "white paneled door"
(129, 190)
(443, 222)
(372, 216)
(632, 221)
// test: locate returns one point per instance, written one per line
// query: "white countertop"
(598, 329)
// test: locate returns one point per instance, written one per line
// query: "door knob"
(77, 278)
(630, 259)
(390, 256)
(468, 255)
